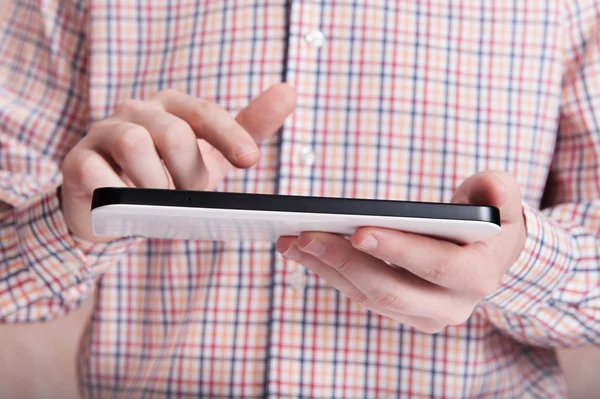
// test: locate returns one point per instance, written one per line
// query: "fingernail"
(315, 247)
(369, 243)
(292, 253)
(244, 149)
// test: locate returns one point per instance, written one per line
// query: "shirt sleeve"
(44, 270)
(551, 296)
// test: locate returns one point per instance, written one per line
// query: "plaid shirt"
(397, 100)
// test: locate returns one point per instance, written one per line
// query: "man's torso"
(400, 100)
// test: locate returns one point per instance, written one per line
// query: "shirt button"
(307, 156)
(315, 38)
(298, 280)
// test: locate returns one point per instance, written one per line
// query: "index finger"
(440, 262)
(236, 138)
(213, 123)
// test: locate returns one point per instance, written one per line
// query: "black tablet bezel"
(290, 203)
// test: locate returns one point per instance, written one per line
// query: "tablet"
(221, 216)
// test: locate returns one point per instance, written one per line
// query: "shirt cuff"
(49, 269)
(543, 265)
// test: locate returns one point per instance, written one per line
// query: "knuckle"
(358, 297)
(201, 109)
(398, 257)
(96, 129)
(389, 300)
(69, 161)
(166, 94)
(82, 169)
(133, 140)
(171, 135)
(129, 106)
(438, 269)
(344, 265)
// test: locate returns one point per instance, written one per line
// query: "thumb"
(492, 188)
(266, 113)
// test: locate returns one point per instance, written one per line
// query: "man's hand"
(420, 281)
(170, 141)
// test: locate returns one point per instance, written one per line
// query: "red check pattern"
(404, 100)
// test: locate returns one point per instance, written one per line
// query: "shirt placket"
(298, 157)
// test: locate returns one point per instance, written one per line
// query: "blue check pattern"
(403, 100)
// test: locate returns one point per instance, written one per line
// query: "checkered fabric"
(400, 100)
